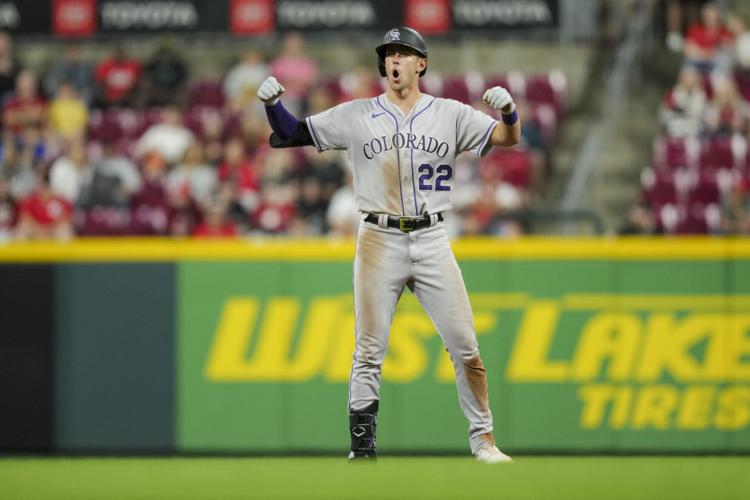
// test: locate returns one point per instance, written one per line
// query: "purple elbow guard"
(282, 122)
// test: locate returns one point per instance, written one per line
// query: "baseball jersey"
(402, 164)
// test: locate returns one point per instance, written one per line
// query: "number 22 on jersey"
(444, 173)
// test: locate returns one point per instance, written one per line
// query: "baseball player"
(402, 146)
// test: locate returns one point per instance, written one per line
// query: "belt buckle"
(406, 224)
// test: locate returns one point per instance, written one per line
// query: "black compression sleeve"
(300, 138)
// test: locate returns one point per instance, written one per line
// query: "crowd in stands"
(123, 146)
(699, 178)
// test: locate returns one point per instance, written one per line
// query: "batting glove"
(499, 98)
(270, 91)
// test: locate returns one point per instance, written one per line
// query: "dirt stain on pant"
(476, 375)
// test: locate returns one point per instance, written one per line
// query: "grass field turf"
(391, 478)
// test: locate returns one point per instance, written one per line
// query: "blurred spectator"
(319, 99)
(25, 107)
(168, 139)
(477, 219)
(276, 211)
(8, 211)
(254, 131)
(533, 141)
(708, 43)
(71, 174)
(727, 113)
(243, 80)
(165, 75)
(18, 167)
(677, 16)
(532, 133)
(228, 196)
(736, 219)
(184, 214)
(640, 220)
(683, 107)
(192, 177)
(465, 193)
(45, 215)
(510, 200)
(239, 172)
(68, 114)
(74, 70)
(342, 216)
(9, 66)
(150, 205)
(326, 169)
(741, 44)
(117, 78)
(311, 207)
(279, 165)
(297, 70)
(215, 224)
(212, 131)
(359, 84)
(115, 179)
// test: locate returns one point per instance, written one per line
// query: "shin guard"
(362, 429)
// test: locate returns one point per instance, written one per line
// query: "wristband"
(510, 119)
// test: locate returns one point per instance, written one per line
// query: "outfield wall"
(625, 345)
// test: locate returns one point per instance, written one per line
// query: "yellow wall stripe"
(271, 249)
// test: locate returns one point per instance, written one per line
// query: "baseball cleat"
(489, 454)
(359, 456)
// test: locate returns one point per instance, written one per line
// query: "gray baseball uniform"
(403, 165)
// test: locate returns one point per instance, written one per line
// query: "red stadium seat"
(107, 130)
(148, 118)
(498, 81)
(104, 221)
(456, 88)
(512, 165)
(207, 93)
(716, 153)
(705, 190)
(742, 80)
(540, 90)
(692, 221)
(659, 187)
(675, 152)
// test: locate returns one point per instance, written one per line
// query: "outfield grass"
(451, 478)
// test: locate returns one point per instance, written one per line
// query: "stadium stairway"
(627, 146)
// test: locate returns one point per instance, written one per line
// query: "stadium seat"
(692, 221)
(716, 153)
(207, 93)
(456, 88)
(705, 190)
(540, 90)
(742, 80)
(106, 129)
(659, 187)
(675, 152)
(512, 165)
(103, 221)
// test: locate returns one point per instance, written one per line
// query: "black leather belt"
(405, 224)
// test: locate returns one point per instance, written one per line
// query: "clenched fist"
(270, 91)
(499, 98)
